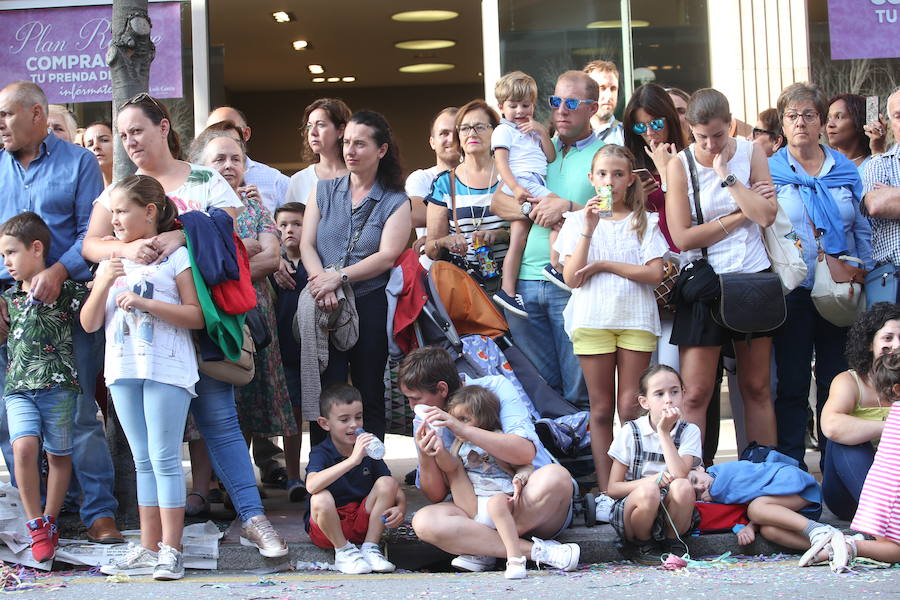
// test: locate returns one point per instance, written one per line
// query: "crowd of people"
(227, 305)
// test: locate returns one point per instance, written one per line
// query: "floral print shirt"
(40, 349)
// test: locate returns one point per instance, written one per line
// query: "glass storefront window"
(670, 43)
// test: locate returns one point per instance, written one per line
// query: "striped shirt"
(473, 209)
(879, 503)
(885, 169)
(339, 220)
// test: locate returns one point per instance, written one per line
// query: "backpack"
(568, 439)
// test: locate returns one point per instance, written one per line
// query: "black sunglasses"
(758, 132)
(143, 97)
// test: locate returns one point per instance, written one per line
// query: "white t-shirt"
(301, 185)
(606, 300)
(204, 187)
(140, 345)
(742, 250)
(525, 153)
(418, 185)
(622, 448)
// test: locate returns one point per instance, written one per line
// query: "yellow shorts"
(605, 341)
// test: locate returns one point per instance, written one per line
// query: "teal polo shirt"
(567, 178)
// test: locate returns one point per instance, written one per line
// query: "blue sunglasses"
(654, 124)
(571, 103)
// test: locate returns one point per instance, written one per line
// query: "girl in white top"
(612, 264)
(736, 198)
(150, 365)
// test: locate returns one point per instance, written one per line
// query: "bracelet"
(722, 225)
(584, 235)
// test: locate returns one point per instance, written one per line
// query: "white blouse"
(606, 300)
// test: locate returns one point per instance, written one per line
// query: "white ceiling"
(347, 37)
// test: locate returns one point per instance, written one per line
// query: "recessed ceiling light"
(318, 79)
(333, 79)
(424, 16)
(426, 68)
(283, 17)
(425, 44)
(667, 67)
(616, 24)
(316, 69)
(350, 79)
(300, 44)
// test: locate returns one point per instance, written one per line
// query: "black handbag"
(747, 302)
(259, 330)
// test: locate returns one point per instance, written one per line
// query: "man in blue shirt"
(59, 181)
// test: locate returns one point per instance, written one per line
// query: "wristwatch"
(729, 181)
(344, 277)
(526, 208)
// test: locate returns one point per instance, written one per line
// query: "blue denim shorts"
(47, 414)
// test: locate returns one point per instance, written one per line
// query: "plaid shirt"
(885, 232)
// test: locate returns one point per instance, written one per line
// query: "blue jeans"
(153, 415)
(843, 477)
(804, 330)
(91, 464)
(215, 415)
(46, 414)
(543, 339)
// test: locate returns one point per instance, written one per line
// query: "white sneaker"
(473, 562)
(558, 556)
(603, 508)
(515, 568)
(169, 564)
(351, 561)
(137, 560)
(376, 560)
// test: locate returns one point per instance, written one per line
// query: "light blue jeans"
(543, 339)
(92, 467)
(153, 416)
(215, 415)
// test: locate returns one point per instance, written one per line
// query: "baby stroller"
(458, 316)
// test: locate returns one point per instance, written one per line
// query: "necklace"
(477, 221)
(856, 158)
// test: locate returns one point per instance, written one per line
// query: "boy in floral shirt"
(41, 379)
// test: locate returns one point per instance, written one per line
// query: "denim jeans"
(45, 414)
(153, 416)
(803, 331)
(215, 415)
(843, 477)
(543, 339)
(92, 467)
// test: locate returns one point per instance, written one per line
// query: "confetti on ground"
(118, 578)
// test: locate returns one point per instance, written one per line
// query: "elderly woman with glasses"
(146, 131)
(819, 189)
(459, 205)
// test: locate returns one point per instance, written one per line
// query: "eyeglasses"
(478, 128)
(758, 132)
(654, 124)
(139, 98)
(571, 103)
(809, 116)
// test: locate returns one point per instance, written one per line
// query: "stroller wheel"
(590, 509)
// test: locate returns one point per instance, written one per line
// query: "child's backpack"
(568, 439)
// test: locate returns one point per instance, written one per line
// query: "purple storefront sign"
(63, 50)
(864, 28)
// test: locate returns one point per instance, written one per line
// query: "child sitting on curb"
(353, 496)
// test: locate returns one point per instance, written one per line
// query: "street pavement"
(747, 578)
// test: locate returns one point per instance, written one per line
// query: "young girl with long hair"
(150, 367)
(652, 457)
(612, 264)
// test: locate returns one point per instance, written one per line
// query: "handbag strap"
(695, 184)
(351, 242)
(453, 201)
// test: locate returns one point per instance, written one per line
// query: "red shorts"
(354, 524)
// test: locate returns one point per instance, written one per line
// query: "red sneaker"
(44, 539)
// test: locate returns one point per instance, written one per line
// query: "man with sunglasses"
(605, 125)
(59, 181)
(573, 103)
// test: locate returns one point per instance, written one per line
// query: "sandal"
(194, 510)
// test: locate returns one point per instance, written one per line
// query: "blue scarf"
(819, 203)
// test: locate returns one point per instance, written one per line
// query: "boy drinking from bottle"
(352, 496)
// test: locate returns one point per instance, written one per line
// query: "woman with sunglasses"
(767, 133)
(470, 190)
(848, 132)
(145, 128)
(653, 134)
(821, 186)
(732, 176)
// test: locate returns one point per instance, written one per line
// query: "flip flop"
(194, 510)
